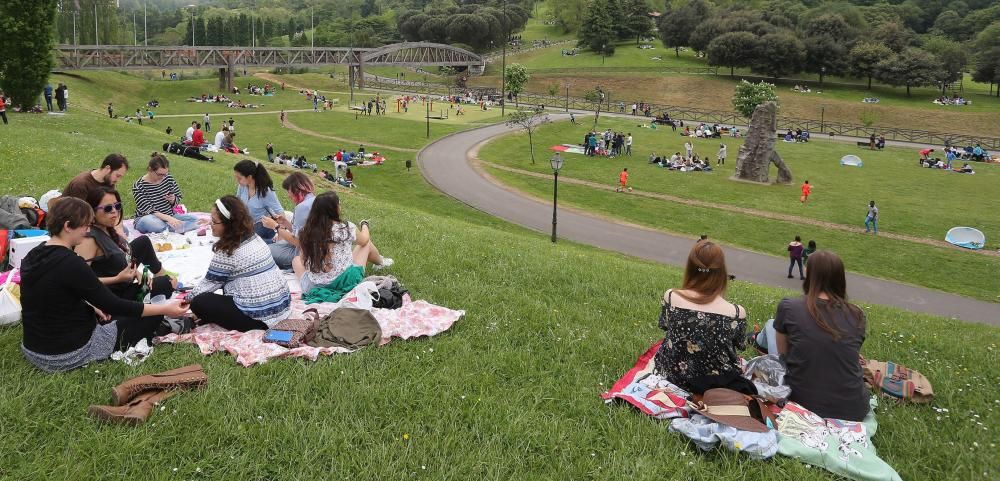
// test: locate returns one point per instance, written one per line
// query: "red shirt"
(197, 138)
(806, 188)
(3, 104)
(623, 178)
(925, 152)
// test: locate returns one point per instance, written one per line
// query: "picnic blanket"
(189, 255)
(841, 447)
(568, 148)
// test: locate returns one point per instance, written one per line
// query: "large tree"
(733, 49)
(516, 77)
(988, 68)
(597, 33)
(636, 22)
(780, 54)
(26, 38)
(864, 59)
(912, 67)
(825, 55)
(952, 56)
(894, 35)
(677, 24)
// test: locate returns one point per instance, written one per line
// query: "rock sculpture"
(757, 152)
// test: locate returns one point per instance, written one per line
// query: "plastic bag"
(10, 306)
(768, 375)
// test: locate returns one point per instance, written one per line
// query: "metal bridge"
(128, 57)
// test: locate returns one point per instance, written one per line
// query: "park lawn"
(537, 29)
(912, 200)
(627, 55)
(510, 392)
(908, 263)
(407, 131)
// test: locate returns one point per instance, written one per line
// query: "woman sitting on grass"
(113, 259)
(156, 194)
(63, 300)
(819, 336)
(705, 332)
(256, 190)
(334, 252)
(254, 294)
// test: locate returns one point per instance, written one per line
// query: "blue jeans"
(871, 223)
(150, 224)
(283, 253)
(264, 232)
(767, 338)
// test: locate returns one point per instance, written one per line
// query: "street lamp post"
(603, 51)
(822, 118)
(427, 102)
(503, 65)
(556, 162)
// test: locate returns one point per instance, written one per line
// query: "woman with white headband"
(254, 294)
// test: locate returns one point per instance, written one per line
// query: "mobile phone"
(278, 335)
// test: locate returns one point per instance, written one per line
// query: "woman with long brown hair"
(705, 332)
(819, 336)
(334, 251)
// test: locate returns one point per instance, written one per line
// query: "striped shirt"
(150, 198)
(252, 279)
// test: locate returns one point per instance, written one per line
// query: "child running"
(623, 181)
(806, 189)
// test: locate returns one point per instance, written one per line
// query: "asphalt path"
(448, 165)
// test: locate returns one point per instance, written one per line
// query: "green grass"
(510, 392)
(627, 55)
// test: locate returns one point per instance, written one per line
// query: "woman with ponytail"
(254, 293)
(819, 336)
(256, 190)
(705, 332)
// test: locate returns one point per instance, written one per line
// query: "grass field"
(509, 393)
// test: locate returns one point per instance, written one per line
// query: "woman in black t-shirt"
(819, 336)
(62, 300)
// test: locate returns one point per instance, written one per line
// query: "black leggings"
(3, 113)
(222, 311)
(143, 251)
(131, 330)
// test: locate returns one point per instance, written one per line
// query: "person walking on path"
(806, 190)
(207, 122)
(111, 110)
(795, 250)
(623, 181)
(3, 109)
(871, 220)
(270, 152)
(282, 117)
(48, 97)
(688, 150)
(65, 98)
(871, 141)
(628, 144)
(809, 250)
(721, 157)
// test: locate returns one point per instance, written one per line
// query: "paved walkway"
(446, 165)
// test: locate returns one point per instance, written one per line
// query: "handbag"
(303, 330)
(900, 382)
(10, 305)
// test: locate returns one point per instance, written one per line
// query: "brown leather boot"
(133, 413)
(187, 377)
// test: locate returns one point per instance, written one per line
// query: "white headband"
(222, 208)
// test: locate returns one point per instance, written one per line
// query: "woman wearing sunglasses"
(156, 194)
(112, 258)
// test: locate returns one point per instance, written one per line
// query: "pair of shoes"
(174, 325)
(133, 400)
(802, 278)
(386, 262)
(791, 276)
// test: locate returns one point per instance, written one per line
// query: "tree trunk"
(869, 82)
(821, 79)
(677, 51)
(731, 70)
(907, 90)
(531, 147)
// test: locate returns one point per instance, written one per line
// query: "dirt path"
(291, 125)
(739, 210)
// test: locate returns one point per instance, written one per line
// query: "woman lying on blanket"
(705, 332)
(156, 194)
(256, 190)
(254, 293)
(334, 252)
(819, 336)
(66, 308)
(114, 259)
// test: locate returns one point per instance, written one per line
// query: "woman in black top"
(62, 300)
(113, 259)
(819, 336)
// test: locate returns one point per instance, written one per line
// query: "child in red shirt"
(623, 180)
(806, 189)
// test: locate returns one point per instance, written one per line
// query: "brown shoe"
(133, 413)
(187, 377)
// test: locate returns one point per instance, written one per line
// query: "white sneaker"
(386, 262)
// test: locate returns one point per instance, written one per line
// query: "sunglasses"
(109, 208)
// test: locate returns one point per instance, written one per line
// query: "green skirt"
(337, 288)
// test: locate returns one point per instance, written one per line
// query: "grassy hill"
(511, 392)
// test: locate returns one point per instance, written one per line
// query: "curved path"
(446, 165)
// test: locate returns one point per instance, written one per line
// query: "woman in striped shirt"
(254, 293)
(156, 194)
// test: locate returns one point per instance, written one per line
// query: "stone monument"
(757, 152)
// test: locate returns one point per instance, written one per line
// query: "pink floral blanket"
(414, 319)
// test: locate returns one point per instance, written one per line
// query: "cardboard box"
(19, 248)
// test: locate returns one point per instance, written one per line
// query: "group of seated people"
(297, 161)
(954, 100)
(255, 90)
(870, 100)
(801, 89)
(86, 292)
(798, 135)
(952, 154)
(205, 98)
(238, 104)
(976, 153)
(818, 336)
(346, 180)
(705, 131)
(683, 164)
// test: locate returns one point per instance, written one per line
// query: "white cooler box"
(19, 248)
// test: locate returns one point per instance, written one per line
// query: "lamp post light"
(822, 72)
(556, 162)
(822, 118)
(603, 53)
(192, 7)
(427, 102)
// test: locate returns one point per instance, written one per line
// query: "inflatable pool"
(966, 237)
(851, 161)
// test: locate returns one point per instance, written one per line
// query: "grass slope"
(509, 393)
